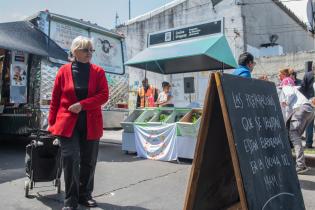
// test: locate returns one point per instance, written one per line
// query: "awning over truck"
(24, 36)
(199, 54)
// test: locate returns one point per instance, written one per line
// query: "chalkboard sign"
(257, 167)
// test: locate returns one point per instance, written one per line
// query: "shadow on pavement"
(56, 202)
(310, 172)
(307, 185)
(52, 201)
(12, 154)
(113, 207)
(109, 152)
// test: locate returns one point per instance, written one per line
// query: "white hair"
(80, 42)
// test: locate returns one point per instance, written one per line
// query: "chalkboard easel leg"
(236, 206)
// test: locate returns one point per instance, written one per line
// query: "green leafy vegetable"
(195, 116)
(163, 117)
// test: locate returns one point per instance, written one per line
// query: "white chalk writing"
(237, 99)
(254, 166)
(272, 161)
(285, 160)
(256, 101)
(271, 123)
(250, 145)
(247, 123)
(271, 182)
(271, 142)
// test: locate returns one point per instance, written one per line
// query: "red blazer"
(61, 121)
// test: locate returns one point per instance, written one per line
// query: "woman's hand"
(284, 104)
(75, 108)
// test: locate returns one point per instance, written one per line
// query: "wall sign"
(188, 32)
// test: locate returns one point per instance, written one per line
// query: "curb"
(309, 160)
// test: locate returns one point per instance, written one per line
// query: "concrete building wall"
(270, 66)
(265, 18)
(185, 12)
(247, 22)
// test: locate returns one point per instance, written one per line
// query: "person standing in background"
(246, 65)
(293, 76)
(298, 112)
(165, 97)
(147, 95)
(307, 90)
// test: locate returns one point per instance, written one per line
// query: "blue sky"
(102, 12)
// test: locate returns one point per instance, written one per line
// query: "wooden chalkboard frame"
(231, 142)
(206, 188)
(214, 89)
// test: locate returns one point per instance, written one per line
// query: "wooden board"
(212, 183)
(242, 159)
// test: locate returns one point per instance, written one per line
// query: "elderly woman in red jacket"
(75, 116)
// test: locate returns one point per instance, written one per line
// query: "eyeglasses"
(86, 50)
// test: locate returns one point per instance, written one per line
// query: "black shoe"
(88, 202)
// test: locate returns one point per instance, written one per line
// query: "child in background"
(165, 97)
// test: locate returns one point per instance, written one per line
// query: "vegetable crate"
(161, 117)
(128, 122)
(146, 116)
(189, 124)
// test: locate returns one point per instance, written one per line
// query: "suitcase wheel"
(27, 186)
(58, 185)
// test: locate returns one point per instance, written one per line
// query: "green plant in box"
(163, 117)
(195, 116)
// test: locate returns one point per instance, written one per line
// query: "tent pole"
(145, 71)
(222, 70)
(161, 70)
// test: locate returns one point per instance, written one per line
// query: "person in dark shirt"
(293, 75)
(307, 90)
(75, 118)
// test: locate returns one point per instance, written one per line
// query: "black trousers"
(79, 157)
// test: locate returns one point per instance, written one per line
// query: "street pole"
(116, 20)
(129, 9)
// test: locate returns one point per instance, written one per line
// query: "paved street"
(122, 181)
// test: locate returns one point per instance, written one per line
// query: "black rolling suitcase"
(42, 161)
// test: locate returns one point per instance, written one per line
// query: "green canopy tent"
(191, 55)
